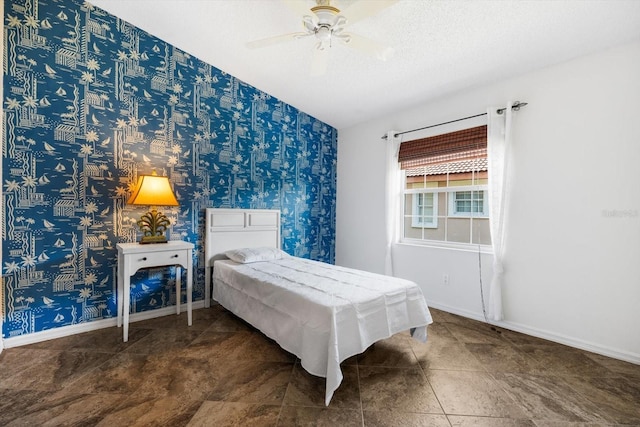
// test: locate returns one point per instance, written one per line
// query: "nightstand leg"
(189, 295)
(120, 293)
(126, 307)
(178, 288)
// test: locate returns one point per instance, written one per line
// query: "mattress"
(319, 312)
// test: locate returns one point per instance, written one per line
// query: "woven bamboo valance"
(463, 144)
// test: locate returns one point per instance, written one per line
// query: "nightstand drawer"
(159, 259)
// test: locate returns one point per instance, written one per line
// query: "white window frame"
(416, 218)
(485, 204)
(444, 243)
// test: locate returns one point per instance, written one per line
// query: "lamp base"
(152, 239)
(153, 225)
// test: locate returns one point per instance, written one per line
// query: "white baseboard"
(66, 331)
(547, 335)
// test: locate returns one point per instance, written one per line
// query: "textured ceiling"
(440, 46)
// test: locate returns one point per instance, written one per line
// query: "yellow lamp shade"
(153, 190)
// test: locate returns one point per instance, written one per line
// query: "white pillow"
(248, 255)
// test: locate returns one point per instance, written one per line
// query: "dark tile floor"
(222, 372)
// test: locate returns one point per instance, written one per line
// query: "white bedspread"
(321, 313)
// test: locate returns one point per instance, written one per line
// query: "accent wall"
(90, 103)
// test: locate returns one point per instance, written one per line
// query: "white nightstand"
(134, 256)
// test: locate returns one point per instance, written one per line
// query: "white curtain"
(498, 143)
(392, 198)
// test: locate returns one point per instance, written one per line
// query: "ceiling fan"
(327, 24)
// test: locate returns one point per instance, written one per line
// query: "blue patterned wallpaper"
(91, 102)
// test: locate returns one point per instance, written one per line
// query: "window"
(425, 207)
(445, 188)
(468, 203)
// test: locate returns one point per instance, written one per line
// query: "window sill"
(465, 247)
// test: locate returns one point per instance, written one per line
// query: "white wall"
(572, 270)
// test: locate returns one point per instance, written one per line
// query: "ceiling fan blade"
(364, 44)
(319, 62)
(269, 41)
(363, 9)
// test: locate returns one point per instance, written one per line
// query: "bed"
(319, 312)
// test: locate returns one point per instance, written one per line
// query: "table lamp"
(153, 190)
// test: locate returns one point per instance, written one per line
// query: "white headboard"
(237, 228)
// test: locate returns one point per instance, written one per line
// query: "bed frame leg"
(207, 287)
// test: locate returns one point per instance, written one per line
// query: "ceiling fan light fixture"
(327, 15)
(345, 38)
(341, 21)
(323, 33)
